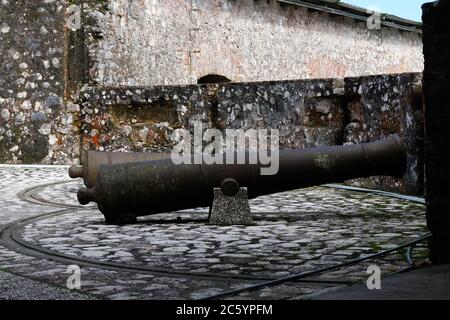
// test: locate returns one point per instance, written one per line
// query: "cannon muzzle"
(92, 160)
(151, 187)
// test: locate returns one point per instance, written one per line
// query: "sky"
(409, 9)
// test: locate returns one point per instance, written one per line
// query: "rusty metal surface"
(92, 160)
(125, 191)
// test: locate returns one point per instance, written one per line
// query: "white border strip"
(43, 166)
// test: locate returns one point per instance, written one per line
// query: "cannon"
(92, 160)
(128, 190)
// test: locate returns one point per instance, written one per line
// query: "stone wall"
(308, 113)
(382, 105)
(171, 42)
(34, 123)
(436, 19)
(144, 118)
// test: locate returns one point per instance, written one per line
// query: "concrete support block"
(230, 210)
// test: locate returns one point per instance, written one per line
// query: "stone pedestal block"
(227, 211)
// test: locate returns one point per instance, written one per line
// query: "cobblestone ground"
(180, 256)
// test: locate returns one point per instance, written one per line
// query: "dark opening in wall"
(213, 78)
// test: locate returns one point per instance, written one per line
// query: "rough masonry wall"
(378, 106)
(143, 118)
(35, 126)
(436, 19)
(308, 113)
(156, 42)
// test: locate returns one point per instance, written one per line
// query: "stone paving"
(180, 256)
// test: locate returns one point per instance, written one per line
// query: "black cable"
(315, 272)
(409, 245)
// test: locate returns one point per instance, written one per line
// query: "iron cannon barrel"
(144, 188)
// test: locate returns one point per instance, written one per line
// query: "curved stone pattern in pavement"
(293, 232)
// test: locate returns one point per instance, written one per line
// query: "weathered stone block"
(227, 211)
